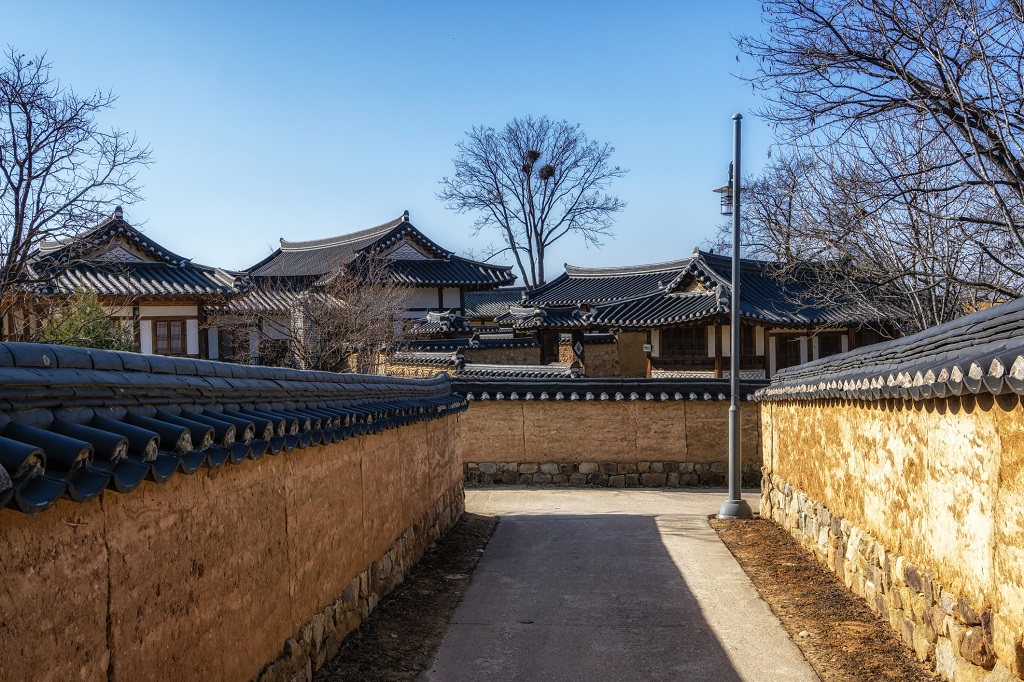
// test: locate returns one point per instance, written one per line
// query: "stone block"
(626, 468)
(672, 479)
(657, 467)
(671, 467)
(542, 478)
(652, 480)
(509, 477)
(529, 468)
(549, 468)
(923, 642)
(1008, 645)
(643, 467)
(618, 481)
(588, 468)
(488, 467)
(720, 467)
(598, 479)
(688, 480)
(609, 468)
(525, 479)
(945, 659)
(976, 650)
(508, 466)
(578, 479)
(560, 479)
(713, 480)
(567, 468)
(632, 480)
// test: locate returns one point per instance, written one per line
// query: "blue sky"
(304, 120)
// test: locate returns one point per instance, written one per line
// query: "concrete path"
(619, 585)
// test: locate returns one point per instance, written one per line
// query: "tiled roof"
(477, 341)
(978, 353)
(590, 338)
(678, 292)
(143, 279)
(522, 318)
(418, 357)
(488, 305)
(280, 298)
(80, 421)
(314, 259)
(599, 389)
(595, 285)
(441, 323)
(478, 370)
(72, 249)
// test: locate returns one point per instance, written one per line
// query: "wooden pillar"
(462, 301)
(718, 350)
(851, 338)
(440, 299)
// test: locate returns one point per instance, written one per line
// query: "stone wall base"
(963, 638)
(318, 640)
(607, 474)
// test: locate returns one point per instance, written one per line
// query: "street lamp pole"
(735, 507)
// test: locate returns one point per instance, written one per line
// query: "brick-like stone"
(488, 467)
(588, 468)
(720, 467)
(632, 480)
(626, 468)
(549, 468)
(578, 479)
(671, 467)
(672, 479)
(688, 480)
(598, 479)
(976, 650)
(652, 480)
(643, 467)
(509, 477)
(657, 467)
(529, 468)
(1008, 645)
(618, 481)
(560, 479)
(542, 478)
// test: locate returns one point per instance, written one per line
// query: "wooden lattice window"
(169, 337)
(684, 341)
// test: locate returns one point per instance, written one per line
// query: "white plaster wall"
(146, 336)
(168, 311)
(192, 337)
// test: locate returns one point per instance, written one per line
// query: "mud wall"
(605, 436)
(247, 571)
(504, 356)
(602, 358)
(920, 508)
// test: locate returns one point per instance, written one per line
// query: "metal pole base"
(735, 509)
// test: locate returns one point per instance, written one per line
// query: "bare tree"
(832, 69)
(341, 322)
(60, 172)
(535, 181)
(871, 219)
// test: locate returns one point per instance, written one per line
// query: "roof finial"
(405, 215)
(118, 213)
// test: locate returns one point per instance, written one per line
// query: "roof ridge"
(646, 269)
(342, 239)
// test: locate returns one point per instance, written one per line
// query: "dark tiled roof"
(978, 353)
(118, 419)
(314, 259)
(688, 290)
(441, 323)
(478, 370)
(279, 298)
(70, 250)
(568, 317)
(595, 285)
(454, 272)
(657, 310)
(488, 305)
(419, 357)
(590, 338)
(599, 389)
(143, 279)
(477, 341)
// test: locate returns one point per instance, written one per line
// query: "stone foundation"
(607, 474)
(960, 637)
(319, 639)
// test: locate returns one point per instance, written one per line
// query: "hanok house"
(672, 319)
(163, 296)
(439, 279)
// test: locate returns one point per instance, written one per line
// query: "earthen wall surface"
(920, 507)
(633, 360)
(602, 359)
(568, 434)
(210, 575)
(503, 356)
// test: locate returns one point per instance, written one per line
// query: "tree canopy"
(534, 181)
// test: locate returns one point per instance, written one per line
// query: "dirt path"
(839, 635)
(398, 639)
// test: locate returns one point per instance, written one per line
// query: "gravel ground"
(399, 638)
(839, 635)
